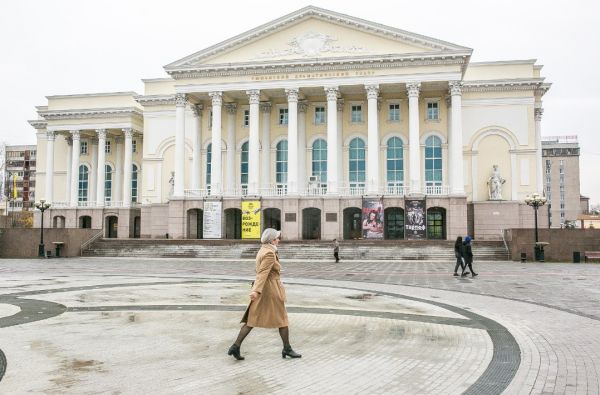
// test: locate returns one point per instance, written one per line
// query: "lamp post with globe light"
(536, 201)
(42, 206)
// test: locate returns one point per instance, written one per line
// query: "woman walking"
(267, 297)
(459, 251)
(468, 255)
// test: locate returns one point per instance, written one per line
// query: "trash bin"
(539, 250)
(576, 257)
(523, 257)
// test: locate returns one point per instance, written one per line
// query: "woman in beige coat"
(267, 297)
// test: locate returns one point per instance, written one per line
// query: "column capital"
(231, 108)
(180, 99)
(372, 91)
(128, 132)
(75, 135)
(292, 94)
(340, 105)
(332, 93)
(101, 133)
(253, 96)
(413, 89)
(50, 136)
(455, 88)
(197, 109)
(265, 106)
(217, 98)
(302, 106)
(538, 114)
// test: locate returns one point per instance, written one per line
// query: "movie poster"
(211, 220)
(251, 219)
(415, 226)
(372, 219)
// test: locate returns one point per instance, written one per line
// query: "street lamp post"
(536, 201)
(42, 206)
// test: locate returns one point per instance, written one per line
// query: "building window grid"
(134, 146)
(356, 113)
(244, 166)
(395, 162)
(283, 116)
(433, 111)
(83, 183)
(107, 147)
(394, 112)
(134, 183)
(107, 183)
(281, 163)
(208, 165)
(357, 163)
(83, 148)
(319, 161)
(320, 117)
(246, 118)
(433, 161)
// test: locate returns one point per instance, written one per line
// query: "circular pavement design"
(360, 340)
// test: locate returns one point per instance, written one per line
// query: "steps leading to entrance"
(315, 250)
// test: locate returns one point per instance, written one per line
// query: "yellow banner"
(14, 186)
(251, 219)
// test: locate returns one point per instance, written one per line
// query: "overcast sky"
(50, 47)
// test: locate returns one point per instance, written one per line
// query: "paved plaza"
(131, 326)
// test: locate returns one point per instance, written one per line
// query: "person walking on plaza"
(267, 297)
(336, 250)
(468, 255)
(459, 251)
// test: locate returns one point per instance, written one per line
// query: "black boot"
(235, 351)
(287, 351)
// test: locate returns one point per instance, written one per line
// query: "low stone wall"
(23, 243)
(563, 242)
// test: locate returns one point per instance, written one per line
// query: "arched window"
(433, 161)
(395, 163)
(319, 161)
(357, 165)
(244, 167)
(208, 165)
(281, 163)
(108, 172)
(134, 183)
(83, 183)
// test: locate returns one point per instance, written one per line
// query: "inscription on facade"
(303, 76)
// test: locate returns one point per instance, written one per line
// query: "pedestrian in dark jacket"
(336, 250)
(458, 253)
(468, 255)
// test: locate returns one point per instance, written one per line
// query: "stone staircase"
(435, 250)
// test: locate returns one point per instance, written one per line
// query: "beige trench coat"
(268, 309)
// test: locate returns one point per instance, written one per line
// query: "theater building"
(321, 124)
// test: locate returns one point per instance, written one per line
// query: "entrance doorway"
(436, 223)
(112, 224)
(85, 222)
(233, 223)
(352, 223)
(195, 217)
(311, 223)
(272, 218)
(394, 223)
(137, 226)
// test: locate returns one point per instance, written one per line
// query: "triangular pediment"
(315, 33)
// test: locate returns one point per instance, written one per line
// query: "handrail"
(504, 240)
(90, 241)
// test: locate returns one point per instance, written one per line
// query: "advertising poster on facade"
(372, 219)
(251, 219)
(415, 226)
(211, 222)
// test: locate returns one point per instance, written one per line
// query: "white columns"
(118, 179)
(340, 142)
(75, 168)
(197, 142)
(128, 167)
(216, 171)
(50, 137)
(539, 169)
(101, 171)
(253, 143)
(457, 186)
(265, 110)
(292, 95)
(332, 141)
(302, 108)
(180, 103)
(413, 137)
(93, 169)
(69, 141)
(373, 140)
(231, 109)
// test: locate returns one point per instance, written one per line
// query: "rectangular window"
(548, 166)
(357, 113)
(246, 117)
(210, 117)
(562, 205)
(394, 114)
(134, 146)
(433, 111)
(83, 148)
(283, 116)
(320, 115)
(107, 147)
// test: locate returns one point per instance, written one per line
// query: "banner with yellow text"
(251, 219)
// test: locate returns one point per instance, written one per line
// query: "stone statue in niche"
(495, 184)
(172, 182)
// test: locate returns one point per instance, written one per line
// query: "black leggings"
(459, 262)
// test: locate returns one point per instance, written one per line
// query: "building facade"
(313, 117)
(560, 155)
(19, 176)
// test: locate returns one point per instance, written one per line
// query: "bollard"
(523, 257)
(576, 257)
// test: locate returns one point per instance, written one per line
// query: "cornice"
(518, 84)
(80, 95)
(155, 100)
(324, 64)
(38, 124)
(92, 113)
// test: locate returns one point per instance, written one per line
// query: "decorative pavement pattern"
(129, 326)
